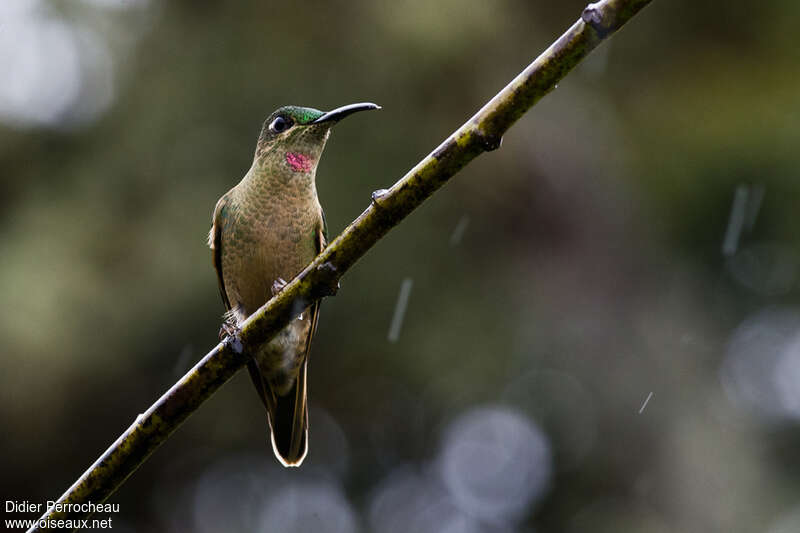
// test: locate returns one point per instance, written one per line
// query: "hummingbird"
(264, 231)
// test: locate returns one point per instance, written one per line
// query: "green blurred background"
(603, 329)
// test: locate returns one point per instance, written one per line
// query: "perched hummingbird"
(266, 230)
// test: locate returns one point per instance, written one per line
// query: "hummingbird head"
(292, 138)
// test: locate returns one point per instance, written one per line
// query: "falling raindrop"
(646, 401)
(736, 221)
(754, 206)
(458, 232)
(400, 310)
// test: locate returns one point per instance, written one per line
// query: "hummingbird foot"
(229, 328)
(229, 333)
(278, 285)
(331, 284)
(377, 195)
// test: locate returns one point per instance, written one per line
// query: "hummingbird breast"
(270, 236)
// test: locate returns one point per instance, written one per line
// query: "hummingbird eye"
(280, 124)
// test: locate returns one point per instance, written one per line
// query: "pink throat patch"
(299, 162)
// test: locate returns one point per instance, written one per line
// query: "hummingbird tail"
(287, 416)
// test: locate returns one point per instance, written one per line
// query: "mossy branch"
(483, 132)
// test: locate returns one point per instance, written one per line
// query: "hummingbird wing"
(215, 243)
(321, 241)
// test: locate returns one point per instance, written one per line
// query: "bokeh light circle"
(495, 463)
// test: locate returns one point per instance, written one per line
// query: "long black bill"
(340, 112)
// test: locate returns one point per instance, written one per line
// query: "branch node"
(377, 195)
(331, 285)
(593, 16)
(490, 142)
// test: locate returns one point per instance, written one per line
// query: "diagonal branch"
(483, 132)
